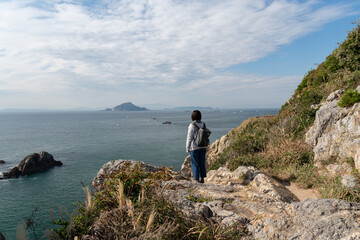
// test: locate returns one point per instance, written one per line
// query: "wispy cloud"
(60, 45)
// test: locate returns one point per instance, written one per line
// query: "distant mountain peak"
(128, 106)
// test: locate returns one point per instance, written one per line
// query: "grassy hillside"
(340, 70)
(275, 144)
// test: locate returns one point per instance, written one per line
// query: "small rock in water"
(2, 236)
(167, 122)
(33, 163)
(2, 162)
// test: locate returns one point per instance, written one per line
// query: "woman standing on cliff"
(197, 154)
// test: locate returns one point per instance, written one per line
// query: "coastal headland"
(253, 172)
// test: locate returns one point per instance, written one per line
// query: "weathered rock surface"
(33, 163)
(309, 220)
(336, 169)
(350, 181)
(115, 166)
(257, 201)
(336, 131)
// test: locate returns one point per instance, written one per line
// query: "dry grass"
(156, 219)
(21, 232)
(52, 216)
(150, 220)
(284, 151)
(332, 188)
(88, 200)
(142, 196)
(120, 194)
(137, 222)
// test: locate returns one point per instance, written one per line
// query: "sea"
(84, 141)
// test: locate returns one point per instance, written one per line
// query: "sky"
(67, 54)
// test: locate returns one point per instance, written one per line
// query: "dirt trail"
(301, 193)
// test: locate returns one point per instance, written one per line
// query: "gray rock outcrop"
(265, 207)
(336, 131)
(33, 163)
(115, 166)
(350, 181)
(309, 220)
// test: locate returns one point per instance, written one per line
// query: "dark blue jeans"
(198, 163)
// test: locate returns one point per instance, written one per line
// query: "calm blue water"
(84, 141)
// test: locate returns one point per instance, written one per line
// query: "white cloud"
(59, 45)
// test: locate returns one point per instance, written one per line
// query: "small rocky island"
(126, 107)
(35, 162)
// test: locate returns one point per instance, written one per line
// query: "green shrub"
(349, 98)
(348, 51)
(352, 81)
(247, 144)
(304, 120)
(332, 63)
(310, 97)
(219, 162)
(350, 161)
(252, 139)
(304, 82)
(320, 77)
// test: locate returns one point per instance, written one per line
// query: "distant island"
(126, 107)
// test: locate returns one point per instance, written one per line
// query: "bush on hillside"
(349, 98)
(348, 52)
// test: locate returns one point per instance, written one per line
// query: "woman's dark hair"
(196, 115)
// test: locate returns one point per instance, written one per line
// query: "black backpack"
(202, 136)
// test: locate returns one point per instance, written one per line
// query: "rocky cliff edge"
(263, 205)
(335, 137)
